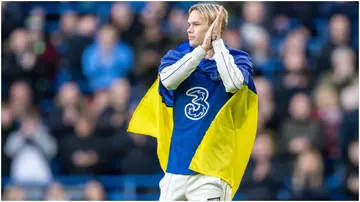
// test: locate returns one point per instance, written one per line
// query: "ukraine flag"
(226, 147)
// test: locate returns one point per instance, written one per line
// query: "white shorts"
(199, 187)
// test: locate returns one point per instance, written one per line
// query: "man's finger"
(221, 13)
(219, 17)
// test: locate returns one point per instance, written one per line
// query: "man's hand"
(207, 43)
(216, 31)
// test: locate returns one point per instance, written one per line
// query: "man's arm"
(172, 76)
(14, 143)
(44, 141)
(230, 74)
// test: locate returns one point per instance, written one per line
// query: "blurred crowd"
(73, 73)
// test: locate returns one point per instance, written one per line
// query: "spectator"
(31, 147)
(146, 70)
(21, 98)
(41, 46)
(329, 115)
(296, 41)
(349, 128)
(266, 118)
(14, 193)
(152, 36)
(55, 192)
(254, 12)
(153, 13)
(343, 70)
(262, 54)
(177, 24)
(99, 103)
(94, 191)
(20, 63)
(60, 38)
(339, 28)
(126, 22)
(233, 39)
(152, 17)
(295, 77)
(63, 118)
(7, 127)
(106, 60)
(115, 116)
(82, 38)
(68, 23)
(307, 180)
(351, 177)
(254, 20)
(83, 153)
(300, 132)
(112, 123)
(140, 157)
(263, 176)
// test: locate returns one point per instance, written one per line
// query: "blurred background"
(73, 73)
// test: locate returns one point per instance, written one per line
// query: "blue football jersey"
(196, 102)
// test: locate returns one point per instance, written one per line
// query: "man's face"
(107, 38)
(198, 26)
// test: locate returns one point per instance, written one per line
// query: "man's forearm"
(172, 76)
(14, 143)
(229, 72)
(45, 142)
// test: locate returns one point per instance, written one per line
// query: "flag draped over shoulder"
(152, 117)
(226, 147)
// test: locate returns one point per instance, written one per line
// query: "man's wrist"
(219, 45)
(204, 47)
(218, 42)
(199, 52)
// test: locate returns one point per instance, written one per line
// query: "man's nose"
(190, 29)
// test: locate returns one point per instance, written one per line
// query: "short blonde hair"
(209, 12)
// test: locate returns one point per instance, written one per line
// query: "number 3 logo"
(198, 106)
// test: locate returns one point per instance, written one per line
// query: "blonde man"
(203, 112)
